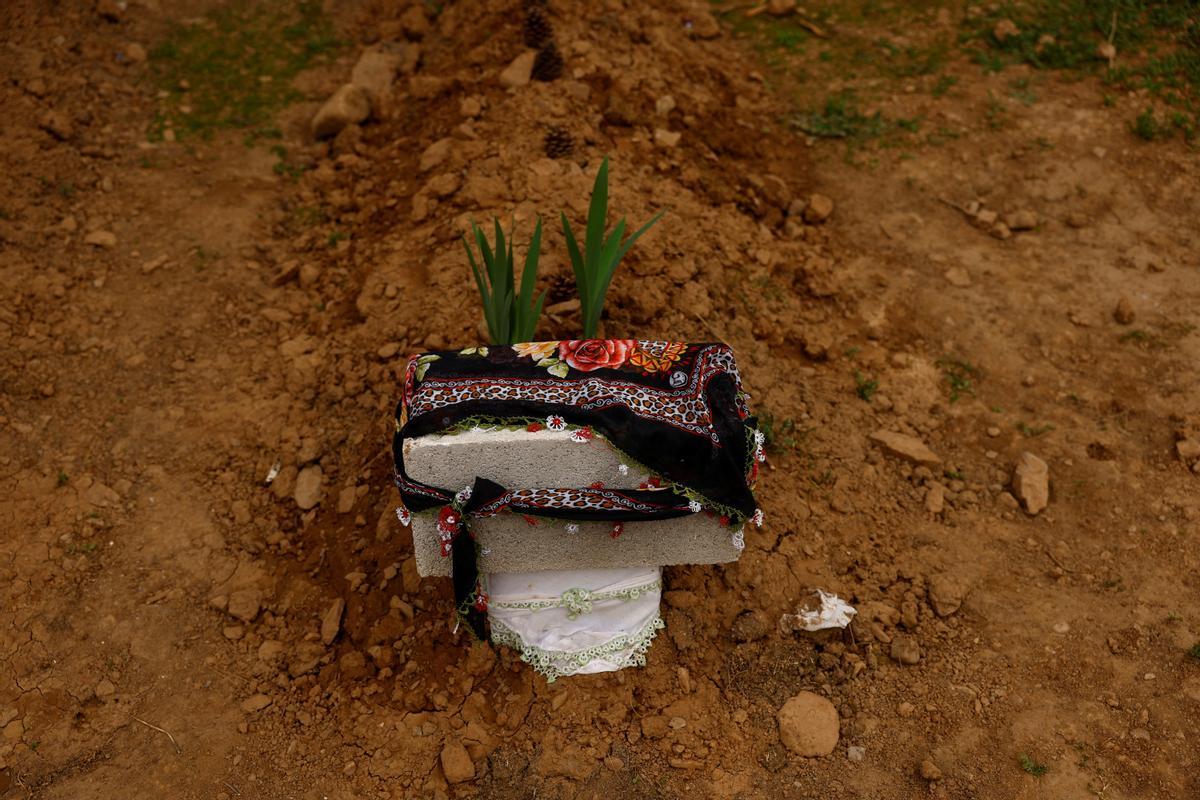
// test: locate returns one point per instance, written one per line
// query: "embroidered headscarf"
(677, 409)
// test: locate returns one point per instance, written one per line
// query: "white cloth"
(568, 622)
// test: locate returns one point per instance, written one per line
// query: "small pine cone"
(548, 65)
(559, 143)
(537, 28)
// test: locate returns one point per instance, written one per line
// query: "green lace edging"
(579, 601)
(555, 664)
(736, 518)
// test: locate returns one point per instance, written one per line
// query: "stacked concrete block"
(522, 459)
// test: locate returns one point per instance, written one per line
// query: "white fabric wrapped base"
(576, 622)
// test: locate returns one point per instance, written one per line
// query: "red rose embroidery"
(586, 355)
(617, 530)
(534, 427)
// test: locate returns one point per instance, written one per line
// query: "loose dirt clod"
(808, 725)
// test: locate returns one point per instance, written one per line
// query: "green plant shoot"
(511, 317)
(595, 264)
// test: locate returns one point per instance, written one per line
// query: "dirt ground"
(1004, 267)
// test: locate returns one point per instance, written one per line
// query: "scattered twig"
(232, 788)
(160, 730)
(709, 328)
(955, 206)
(1052, 557)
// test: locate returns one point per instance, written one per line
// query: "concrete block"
(514, 545)
(550, 459)
(516, 459)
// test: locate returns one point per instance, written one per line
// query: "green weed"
(863, 387)
(1031, 431)
(944, 84)
(840, 118)
(1194, 651)
(960, 376)
(1032, 767)
(780, 435)
(233, 68)
(63, 478)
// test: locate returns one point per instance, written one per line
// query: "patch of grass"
(1019, 90)
(1032, 767)
(960, 376)
(284, 166)
(863, 387)
(1031, 431)
(943, 85)
(63, 478)
(336, 237)
(1194, 651)
(782, 435)
(233, 68)
(1157, 43)
(995, 114)
(840, 118)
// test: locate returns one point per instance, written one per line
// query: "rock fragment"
(307, 493)
(519, 71)
(331, 621)
(906, 447)
(1031, 483)
(946, 594)
(808, 725)
(348, 104)
(256, 702)
(818, 209)
(456, 762)
(1124, 313)
(906, 650)
(105, 239)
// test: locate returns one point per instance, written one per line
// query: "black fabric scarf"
(678, 409)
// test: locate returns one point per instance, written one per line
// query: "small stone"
(906, 709)
(1188, 449)
(856, 753)
(244, 604)
(518, 72)
(307, 493)
(1123, 313)
(906, 447)
(57, 124)
(348, 104)
(456, 762)
(310, 272)
(255, 702)
(331, 621)
(993, 431)
(614, 763)
(946, 594)
(906, 650)
(780, 8)
(1023, 220)
(1004, 29)
(375, 73)
(435, 154)
(346, 499)
(665, 138)
(749, 626)
(1031, 483)
(105, 689)
(470, 107)
(818, 209)
(935, 499)
(105, 239)
(808, 725)
(929, 771)
(233, 632)
(1062, 627)
(1106, 51)
(958, 276)
(135, 53)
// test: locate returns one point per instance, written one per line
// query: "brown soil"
(163, 605)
